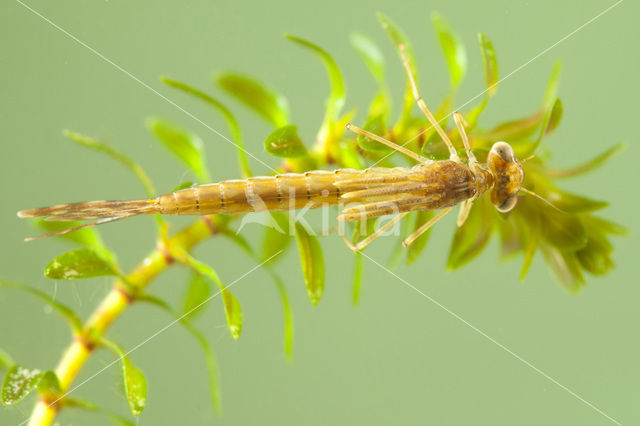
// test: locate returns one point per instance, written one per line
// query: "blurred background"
(397, 358)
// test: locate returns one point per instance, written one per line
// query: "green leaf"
(400, 41)
(232, 123)
(210, 360)
(453, 49)
(90, 406)
(87, 237)
(198, 291)
(336, 99)
(565, 266)
(78, 264)
(572, 203)
(604, 225)
(49, 384)
(312, 262)
(370, 54)
(232, 310)
(377, 126)
(135, 386)
(552, 87)
(116, 155)
(471, 238)
(288, 317)
(18, 383)
(418, 245)
(233, 313)
(274, 240)
(531, 230)
(551, 120)
(285, 142)
(513, 131)
(188, 147)
(269, 104)
(554, 117)
(374, 60)
(595, 256)
(590, 165)
(6, 361)
(490, 63)
(561, 230)
(357, 278)
(73, 320)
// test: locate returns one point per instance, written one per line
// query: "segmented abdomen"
(287, 191)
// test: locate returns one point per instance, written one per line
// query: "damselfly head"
(508, 174)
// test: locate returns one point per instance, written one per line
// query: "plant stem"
(114, 303)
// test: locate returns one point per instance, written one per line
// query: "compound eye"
(508, 204)
(504, 151)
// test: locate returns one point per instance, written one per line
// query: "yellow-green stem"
(111, 307)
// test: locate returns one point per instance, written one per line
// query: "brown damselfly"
(364, 194)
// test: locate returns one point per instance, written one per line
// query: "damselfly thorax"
(365, 194)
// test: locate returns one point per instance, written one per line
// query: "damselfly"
(370, 193)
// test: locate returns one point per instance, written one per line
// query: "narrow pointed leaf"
(18, 383)
(89, 406)
(370, 54)
(400, 41)
(531, 243)
(212, 366)
(590, 165)
(73, 320)
(312, 262)
(336, 99)
(357, 278)
(6, 361)
(562, 230)
(231, 120)
(565, 266)
(284, 142)
(186, 146)
(555, 117)
(198, 291)
(135, 386)
(87, 237)
(470, 239)
(232, 309)
(100, 146)
(233, 313)
(78, 264)
(551, 91)
(490, 62)
(49, 384)
(269, 104)
(572, 203)
(276, 240)
(414, 250)
(288, 316)
(491, 76)
(453, 49)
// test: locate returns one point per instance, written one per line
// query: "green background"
(397, 358)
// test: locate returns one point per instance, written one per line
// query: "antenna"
(525, 190)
